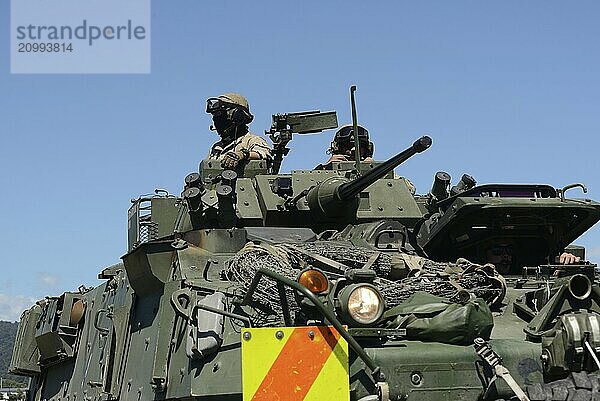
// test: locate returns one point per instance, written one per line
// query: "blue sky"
(509, 91)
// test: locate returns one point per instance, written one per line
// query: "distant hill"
(8, 332)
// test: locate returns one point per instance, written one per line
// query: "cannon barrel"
(350, 189)
(336, 197)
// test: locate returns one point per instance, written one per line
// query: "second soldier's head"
(343, 142)
(500, 253)
(230, 114)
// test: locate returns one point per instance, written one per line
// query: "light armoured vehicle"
(338, 283)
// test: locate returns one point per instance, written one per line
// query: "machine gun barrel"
(350, 189)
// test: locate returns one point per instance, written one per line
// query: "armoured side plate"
(25, 358)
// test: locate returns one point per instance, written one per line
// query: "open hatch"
(537, 222)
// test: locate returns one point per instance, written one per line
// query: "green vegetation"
(8, 332)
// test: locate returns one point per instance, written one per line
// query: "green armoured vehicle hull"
(166, 322)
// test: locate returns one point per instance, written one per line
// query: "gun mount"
(303, 122)
(337, 196)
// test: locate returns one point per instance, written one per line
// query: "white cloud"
(47, 279)
(11, 307)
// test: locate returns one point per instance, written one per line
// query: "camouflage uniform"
(249, 141)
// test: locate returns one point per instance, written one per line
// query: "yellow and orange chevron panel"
(294, 364)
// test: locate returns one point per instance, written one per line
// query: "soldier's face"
(501, 256)
(350, 152)
(220, 121)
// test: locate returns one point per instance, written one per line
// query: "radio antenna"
(355, 129)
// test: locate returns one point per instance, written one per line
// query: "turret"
(338, 197)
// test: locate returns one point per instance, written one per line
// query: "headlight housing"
(315, 280)
(361, 304)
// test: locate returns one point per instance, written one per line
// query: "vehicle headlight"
(362, 303)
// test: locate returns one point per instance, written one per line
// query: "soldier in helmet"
(342, 147)
(231, 116)
(500, 253)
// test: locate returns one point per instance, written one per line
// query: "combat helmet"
(236, 105)
(344, 140)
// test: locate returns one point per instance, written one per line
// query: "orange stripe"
(297, 365)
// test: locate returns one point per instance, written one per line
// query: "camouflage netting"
(352, 257)
(242, 269)
(399, 275)
(447, 280)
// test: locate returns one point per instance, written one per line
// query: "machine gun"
(304, 122)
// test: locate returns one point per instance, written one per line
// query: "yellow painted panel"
(333, 382)
(258, 354)
(300, 365)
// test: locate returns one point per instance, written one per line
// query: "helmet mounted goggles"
(215, 105)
